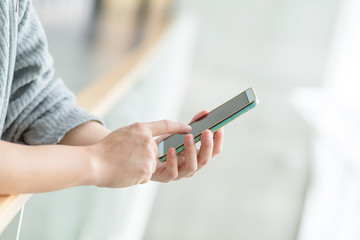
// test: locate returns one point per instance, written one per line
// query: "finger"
(162, 137)
(166, 126)
(155, 162)
(149, 170)
(156, 149)
(199, 115)
(206, 148)
(171, 170)
(218, 141)
(190, 164)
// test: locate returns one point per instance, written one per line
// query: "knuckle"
(209, 144)
(138, 126)
(146, 172)
(166, 124)
(171, 175)
(148, 152)
(190, 168)
(204, 161)
(146, 139)
(148, 168)
(190, 175)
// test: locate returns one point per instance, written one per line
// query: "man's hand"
(129, 155)
(191, 159)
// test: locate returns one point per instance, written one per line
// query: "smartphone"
(214, 120)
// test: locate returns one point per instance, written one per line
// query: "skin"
(90, 154)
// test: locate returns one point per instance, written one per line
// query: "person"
(49, 143)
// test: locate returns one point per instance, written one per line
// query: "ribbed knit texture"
(39, 108)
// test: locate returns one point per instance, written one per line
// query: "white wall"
(333, 199)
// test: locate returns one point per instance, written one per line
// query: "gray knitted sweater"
(35, 107)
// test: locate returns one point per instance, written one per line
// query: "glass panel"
(11, 230)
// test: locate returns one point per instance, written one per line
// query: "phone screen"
(210, 120)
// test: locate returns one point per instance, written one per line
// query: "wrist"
(93, 163)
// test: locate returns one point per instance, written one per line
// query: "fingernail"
(190, 140)
(209, 135)
(172, 152)
(188, 128)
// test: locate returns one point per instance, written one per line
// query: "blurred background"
(289, 168)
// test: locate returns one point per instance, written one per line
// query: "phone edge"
(255, 101)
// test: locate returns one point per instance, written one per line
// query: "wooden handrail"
(98, 99)
(102, 95)
(9, 207)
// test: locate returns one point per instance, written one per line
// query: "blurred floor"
(255, 188)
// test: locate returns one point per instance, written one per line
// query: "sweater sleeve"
(41, 108)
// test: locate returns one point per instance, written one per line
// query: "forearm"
(86, 134)
(30, 169)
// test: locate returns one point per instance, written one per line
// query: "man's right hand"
(128, 156)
